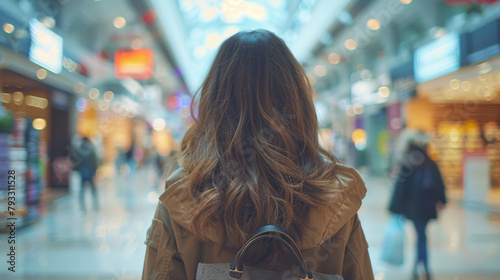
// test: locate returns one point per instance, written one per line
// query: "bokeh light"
(39, 124)
(18, 97)
(334, 58)
(108, 95)
(8, 28)
(159, 124)
(93, 93)
(320, 70)
(119, 22)
(373, 24)
(41, 74)
(81, 104)
(351, 44)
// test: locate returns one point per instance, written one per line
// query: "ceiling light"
(8, 28)
(41, 74)
(349, 111)
(79, 87)
(320, 70)
(334, 58)
(159, 124)
(93, 93)
(383, 91)
(405, 1)
(48, 22)
(350, 44)
(119, 22)
(373, 24)
(108, 95)
(358, 108)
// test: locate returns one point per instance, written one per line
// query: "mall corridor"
(108, 244)
(249, 95)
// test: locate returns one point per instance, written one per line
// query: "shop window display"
(456, 139)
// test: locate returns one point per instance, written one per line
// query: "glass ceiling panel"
(210, 22)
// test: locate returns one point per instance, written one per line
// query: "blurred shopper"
(86, 163)
(419, 192)
(129, 156)
(252, 158)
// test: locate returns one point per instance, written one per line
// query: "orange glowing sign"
(136, 64)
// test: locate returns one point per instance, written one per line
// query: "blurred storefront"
(459, 103)
(36, 115)
(25, 133)
(440, 75)
(60, 82)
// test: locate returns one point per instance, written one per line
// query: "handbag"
(394, 241)
(235, 269)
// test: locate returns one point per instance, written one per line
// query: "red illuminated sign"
(135, 64)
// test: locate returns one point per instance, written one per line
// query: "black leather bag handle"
(276, 233)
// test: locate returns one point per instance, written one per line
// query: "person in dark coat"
(419, 193)
(86, 164)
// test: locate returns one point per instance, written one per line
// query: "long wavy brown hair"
(252, 156)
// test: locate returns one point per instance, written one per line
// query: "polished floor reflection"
(108, 243)
(97, 244)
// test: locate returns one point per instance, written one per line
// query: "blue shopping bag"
(394, 241)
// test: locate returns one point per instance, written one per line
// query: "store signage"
(438, 58)
(484, 42)
(46, 47)
(135, 64)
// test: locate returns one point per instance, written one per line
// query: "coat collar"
(323, 222)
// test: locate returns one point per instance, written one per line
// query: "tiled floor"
(108, 244)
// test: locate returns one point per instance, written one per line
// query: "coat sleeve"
(162, 259)
(357, 264)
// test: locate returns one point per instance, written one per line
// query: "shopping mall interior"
(119, 76)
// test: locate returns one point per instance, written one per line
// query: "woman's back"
(253, 158)
(333, 241)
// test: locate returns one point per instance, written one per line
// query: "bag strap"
(276, 233)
